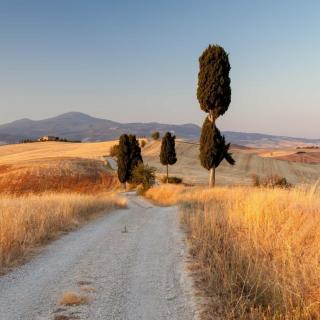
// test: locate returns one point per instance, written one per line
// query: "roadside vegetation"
(255, 250)
(30, 221)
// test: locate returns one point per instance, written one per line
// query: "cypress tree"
(124, 159)
(129, 157)
(214, 96)
(168, 151)
(135, 154)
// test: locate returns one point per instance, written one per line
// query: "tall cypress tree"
(168, 151)
(214, 96)
(124, 159)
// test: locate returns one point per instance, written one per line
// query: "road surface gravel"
(131, 260)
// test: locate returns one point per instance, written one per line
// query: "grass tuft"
(73, 299)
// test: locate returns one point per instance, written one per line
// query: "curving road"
(131, 262)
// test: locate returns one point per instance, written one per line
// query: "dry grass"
(30, 221)
(73, 299)
(16, 153)
(165, 194)
(58, 175)
(256, 251)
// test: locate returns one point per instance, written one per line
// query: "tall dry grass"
(30, 221)
(165, 194)
(256, 250)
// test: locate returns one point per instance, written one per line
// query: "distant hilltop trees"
(46, 139)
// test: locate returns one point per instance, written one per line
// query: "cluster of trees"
(130, 163)
(214, 96)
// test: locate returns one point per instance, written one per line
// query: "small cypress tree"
(213, 147)
(168, 151)
(135, 154)
(214, 96)
(124, 152)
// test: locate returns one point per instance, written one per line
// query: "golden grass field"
(29, 221)
(55, 167)
(56, 175)
(256, 250)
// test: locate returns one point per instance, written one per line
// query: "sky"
(137, 60)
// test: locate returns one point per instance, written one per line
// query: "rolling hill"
(80, 126)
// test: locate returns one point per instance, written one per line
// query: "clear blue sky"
(138, 61)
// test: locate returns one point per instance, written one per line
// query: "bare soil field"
(311, 156)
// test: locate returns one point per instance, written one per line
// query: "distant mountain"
(80, 126)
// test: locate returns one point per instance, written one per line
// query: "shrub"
(155, 135)
(271, 181)
(144, 176)
(143, 143)
(255, 180)
(173, 180)
(114, 151)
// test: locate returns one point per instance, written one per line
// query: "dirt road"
(130, 261)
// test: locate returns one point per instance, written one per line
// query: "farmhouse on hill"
(49, 138)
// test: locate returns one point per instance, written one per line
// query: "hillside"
(79, 126)
(55, 166)
(249, 161)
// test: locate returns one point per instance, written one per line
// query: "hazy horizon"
(138, 62)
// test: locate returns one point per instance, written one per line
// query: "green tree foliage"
(155, 135)
(144, 175)
(213, 147)
(129, 157)
(168, 151)
(214, 96)
(214, 91)
(135, 154)
(114, 150)
(124, 158)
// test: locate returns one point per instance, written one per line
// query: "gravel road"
(131, 260)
